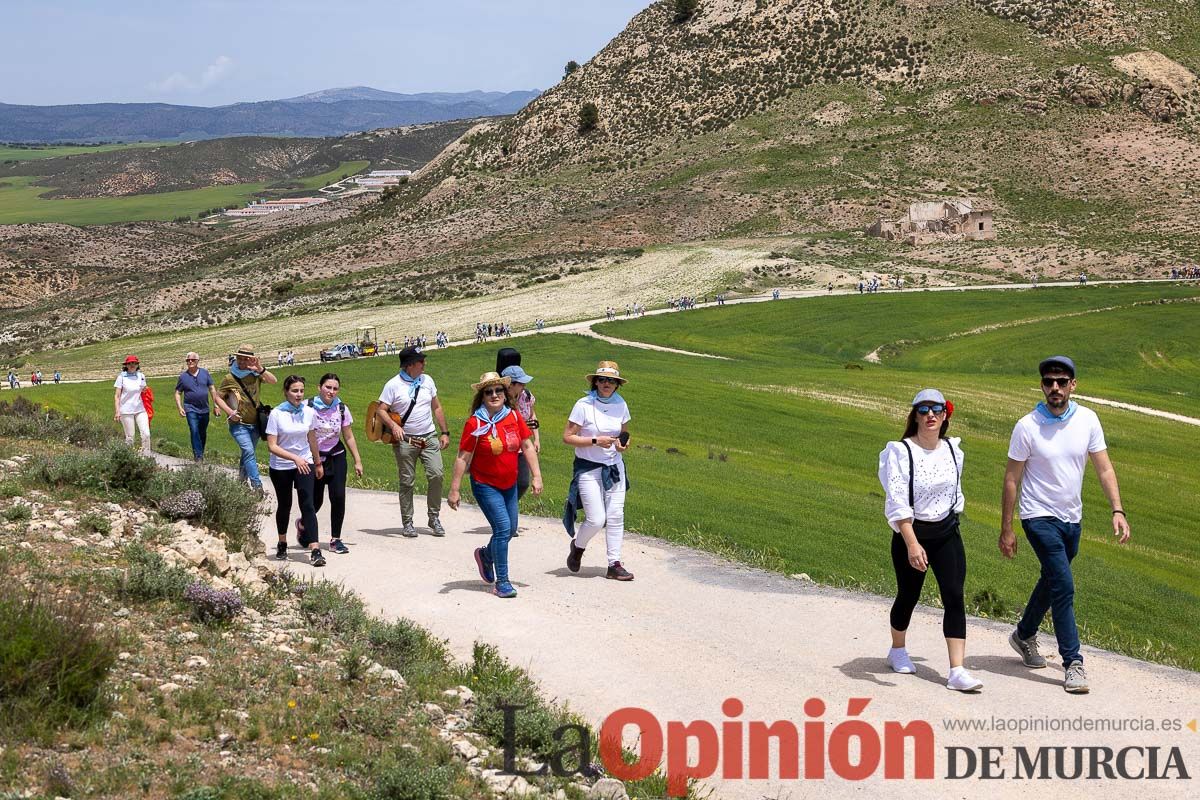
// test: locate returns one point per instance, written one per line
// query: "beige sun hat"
(245, 351)
(490, 379)
(607, 369)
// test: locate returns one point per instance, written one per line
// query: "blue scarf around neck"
(1047, 417)
(238, 372)
(488, 423)
(297, 412)
(413, 383)
(615, 397)
(320, 405)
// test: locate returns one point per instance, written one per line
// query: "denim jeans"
(500, 508)
(198, 428)
(246, 437)
(1056, 543)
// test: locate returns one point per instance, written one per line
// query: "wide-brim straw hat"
(608, 369)
(245, 351)
(490, 379)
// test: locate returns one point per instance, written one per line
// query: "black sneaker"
(281, 551)
(574, 557)
(318, 560)
(338, 546)
(618, 573)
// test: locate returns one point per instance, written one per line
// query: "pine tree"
(589, 117)
(571, 67)
(685, 9)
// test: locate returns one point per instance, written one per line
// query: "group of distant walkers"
(35, 378)
(310, 441)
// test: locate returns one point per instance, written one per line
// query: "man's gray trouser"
(406, 465)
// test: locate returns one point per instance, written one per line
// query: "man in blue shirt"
(192, 392)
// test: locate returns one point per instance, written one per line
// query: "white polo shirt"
(395, 395)
(1055, 455)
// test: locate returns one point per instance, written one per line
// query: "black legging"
(284, 480)
(335, 480)
(524, 475)
(948, 561)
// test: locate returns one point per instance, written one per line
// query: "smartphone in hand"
(623, 438)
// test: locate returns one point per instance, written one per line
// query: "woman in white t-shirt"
(128, 406)
(922, 477)
(295, 464)
(598, 430)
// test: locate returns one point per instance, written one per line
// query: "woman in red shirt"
(491, 439)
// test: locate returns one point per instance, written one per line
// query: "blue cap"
(516, 374)
(1059, 363)
(928, 396)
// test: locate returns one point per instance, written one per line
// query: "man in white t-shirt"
(412, 396)
(1047, 455)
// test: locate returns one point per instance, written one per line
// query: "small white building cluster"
(264, 207)
(382, 178)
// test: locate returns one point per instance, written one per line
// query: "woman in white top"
(128, 406)
(598, 429)
(295, 463)
(922, 477)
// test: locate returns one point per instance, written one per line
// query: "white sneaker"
(962, 681)
(898, 660)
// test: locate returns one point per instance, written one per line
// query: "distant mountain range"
(330, 112)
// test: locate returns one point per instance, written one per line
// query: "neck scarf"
(613, 398)
(321, 405)
(238, 372)
(413, 384)
(1047, 417)
(297, 412)
(488, 423)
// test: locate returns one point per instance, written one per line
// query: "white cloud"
(209, 76)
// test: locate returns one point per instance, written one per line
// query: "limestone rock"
(608, 789)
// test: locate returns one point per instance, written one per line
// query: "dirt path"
(692, 630)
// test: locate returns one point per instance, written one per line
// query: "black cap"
(1057, 363)
(411, 355)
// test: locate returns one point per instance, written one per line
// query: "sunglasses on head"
(930, 408)
(493, 391)
(1048, 381)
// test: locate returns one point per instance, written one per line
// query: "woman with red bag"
(128, 406)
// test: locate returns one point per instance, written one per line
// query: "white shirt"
(937, 485)
(395, 395)
(131, 392)
(1055, 455)
(290, 434)
(599, 419)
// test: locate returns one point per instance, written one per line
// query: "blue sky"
(213, 52)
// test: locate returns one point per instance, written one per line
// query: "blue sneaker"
(504, 589)
(485, 566)
(338, 546)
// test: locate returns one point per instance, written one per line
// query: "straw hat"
(245, 351)
(607, 369)
(490, 379)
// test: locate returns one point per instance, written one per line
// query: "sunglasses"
(190, 360)
(606, 380)
(935, 408)
(1064, 382)
(495, 391)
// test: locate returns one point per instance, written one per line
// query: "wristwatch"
(593, 440)
(445, 433)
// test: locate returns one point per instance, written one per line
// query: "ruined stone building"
(928, 221)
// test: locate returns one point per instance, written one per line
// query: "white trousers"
(604, 511)
(142, 423)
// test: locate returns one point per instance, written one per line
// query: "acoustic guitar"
(378, 432)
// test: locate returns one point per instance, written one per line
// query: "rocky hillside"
(250, 159)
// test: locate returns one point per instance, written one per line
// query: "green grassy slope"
(772, 457)
(34, 153)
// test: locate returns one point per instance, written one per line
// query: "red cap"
(132, 360)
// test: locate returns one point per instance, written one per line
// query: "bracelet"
(1119, 511)
(445, 433)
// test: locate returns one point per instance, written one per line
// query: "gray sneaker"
(435, 525)
(1028, 650)
(1076, 681)
(410, 531)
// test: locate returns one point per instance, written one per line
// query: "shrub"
(496, 683)
(571, 67)
(589, 117)
(149, 577)
(91, 522)
(407, 647)
(212, 606)
(406, 776)
(53, 661)
(11, 488)
(113, 468)
(23, 419)
(685, 10)
(229, 507)
(18, 513)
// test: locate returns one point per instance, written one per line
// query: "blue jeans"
(198, 428)
(500, 508)
(1056, 543)
(246, 437)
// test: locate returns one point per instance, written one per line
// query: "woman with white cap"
(128, 406)
(491, 439)
(922, 477)
(598, 429)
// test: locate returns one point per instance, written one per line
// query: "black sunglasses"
(492, 392)
(1048, 381)
(935, 408)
